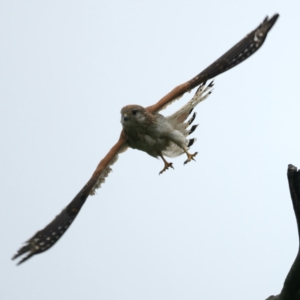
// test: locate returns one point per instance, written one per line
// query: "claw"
(190, 157)
(167, 166)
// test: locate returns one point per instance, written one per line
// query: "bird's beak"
(125, 117)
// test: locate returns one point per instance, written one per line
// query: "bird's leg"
(190, 156)
(167, 165)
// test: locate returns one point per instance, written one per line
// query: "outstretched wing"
(47, 237)
(238, 53)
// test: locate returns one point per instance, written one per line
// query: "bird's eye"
(134, 112)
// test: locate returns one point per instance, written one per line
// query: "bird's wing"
(237, 54)
(177, 119)
(47, 237)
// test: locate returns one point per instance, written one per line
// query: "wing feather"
(234, 56)
(47, 237)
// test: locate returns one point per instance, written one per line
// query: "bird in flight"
(147, 130)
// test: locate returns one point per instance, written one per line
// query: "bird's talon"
(167, 166)
(190, 157)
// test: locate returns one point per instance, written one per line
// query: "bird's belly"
(152, 145)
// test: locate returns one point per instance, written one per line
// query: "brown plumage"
(150, 132)
(161, 136)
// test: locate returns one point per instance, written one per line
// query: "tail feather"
(191, 120)
(193, 128)
(178, 119)
(181, 115)
(191, 142)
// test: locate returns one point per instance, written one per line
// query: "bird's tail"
(178, 119)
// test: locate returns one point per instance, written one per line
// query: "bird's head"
(133, 115)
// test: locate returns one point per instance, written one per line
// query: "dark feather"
(238, 53)
(47, 237)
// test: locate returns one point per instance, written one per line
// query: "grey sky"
(220, 228)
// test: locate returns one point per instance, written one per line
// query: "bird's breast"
(150, 140)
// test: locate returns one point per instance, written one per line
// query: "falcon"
(147, 130)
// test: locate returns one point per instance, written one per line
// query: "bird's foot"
(190, 157)
(167, 166)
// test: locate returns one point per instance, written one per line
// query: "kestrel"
(147, 130)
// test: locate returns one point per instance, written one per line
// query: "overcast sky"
(220, 228)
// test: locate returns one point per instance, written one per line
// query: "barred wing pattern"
(47, 237)
(237, 54)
